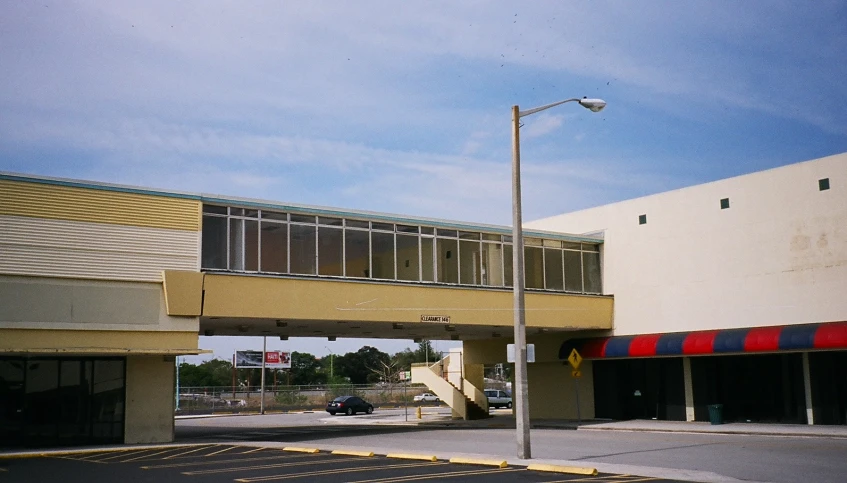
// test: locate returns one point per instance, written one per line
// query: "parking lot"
(247, 464)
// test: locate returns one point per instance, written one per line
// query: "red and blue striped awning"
(825, 336)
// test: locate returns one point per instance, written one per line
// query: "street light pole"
(521, 388)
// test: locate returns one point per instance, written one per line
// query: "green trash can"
(716, 413)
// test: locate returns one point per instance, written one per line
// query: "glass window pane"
(323, 220)
(590, 247)
(251, 213)
(358, 250)
(382, 251)
(466, 235)
(491, 237)
(273, 215)
(469, 270)
(591, 272)
(236, 244)
(427, 248)
(534, 242)
(508, 275)
(251, 245)
(448, 233)
(41, 402)
(570, 245)
(427, 230)
(330, 251)
(221, 210)
(302, 218)
(12, 399)
(358, 224)
(407, 229)
(447, 260)
(236, 211)
(533, 267)
(553, 275)
(107, 400)
(382, 226)
(573, 271)
(552, 243)
(74, 391)
(407, 257)
(274, 247)
(214, 242)
(303, 249)
(492, 264)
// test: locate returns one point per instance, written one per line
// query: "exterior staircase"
(466, 400)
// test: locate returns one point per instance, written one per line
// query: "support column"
(689, 389)
(807, 388)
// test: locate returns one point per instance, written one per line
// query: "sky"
(405, 107)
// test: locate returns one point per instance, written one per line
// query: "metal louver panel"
(29, 199)
(58, 248)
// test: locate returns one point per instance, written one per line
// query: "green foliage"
(306, 369)
(291, 398)
(363, 366)
(403, 360)
(211, 373)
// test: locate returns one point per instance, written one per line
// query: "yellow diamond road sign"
(575, 359)
(576, 373)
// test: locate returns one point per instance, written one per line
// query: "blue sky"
(404, 107)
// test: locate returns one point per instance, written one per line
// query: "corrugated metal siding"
(22, 198)
(58, 248)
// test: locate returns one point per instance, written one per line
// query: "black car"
(349, 405)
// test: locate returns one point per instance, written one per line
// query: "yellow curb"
(574, 470)
(366, 454)
(476, 461)
(406, 456)
(301, 450)
(47, 454)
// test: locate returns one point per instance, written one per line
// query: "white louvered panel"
(39, 247)
(46, 233)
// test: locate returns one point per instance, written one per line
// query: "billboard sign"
(253, 359)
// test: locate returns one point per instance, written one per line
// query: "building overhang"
(773, 339)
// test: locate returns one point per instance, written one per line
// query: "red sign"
(271, 357)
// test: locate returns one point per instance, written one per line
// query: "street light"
(521, 386)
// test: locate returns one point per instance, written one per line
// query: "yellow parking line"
(216, 462)
(311, 462)
(301, 450)
(407, 456)
(439, 476)
(221, 451)
(254, 450)
(479, 461)
(157, 454)
(332, 472)
(573, 470)
(365, 454)
(201, 448)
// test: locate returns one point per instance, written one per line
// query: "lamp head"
(594, 105)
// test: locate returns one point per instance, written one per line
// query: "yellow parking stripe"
(311, 462)
(221, 451)
(333, 472)
(574, 470)
(217, 462)
(201, 448)
(439, 476)
(254, 450)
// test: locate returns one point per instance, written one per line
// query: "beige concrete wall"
(552, 391)
(777, 256)
(149, 400)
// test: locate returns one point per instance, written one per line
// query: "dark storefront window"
(61, 401)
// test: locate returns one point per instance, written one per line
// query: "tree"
(213, 373)
(306, 369)
(404, 359)
(363, 366)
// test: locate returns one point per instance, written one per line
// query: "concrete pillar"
(689, 389)
(807, 387)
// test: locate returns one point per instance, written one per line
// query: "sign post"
(575, 360)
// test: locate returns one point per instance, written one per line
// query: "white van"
(498, 399)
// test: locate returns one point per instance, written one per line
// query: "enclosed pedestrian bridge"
(296, 271)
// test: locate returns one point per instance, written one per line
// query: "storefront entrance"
(61, 401)
(639, 389)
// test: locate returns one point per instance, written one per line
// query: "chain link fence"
(211, 400)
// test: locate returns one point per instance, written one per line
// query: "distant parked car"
(498, 399)
(349, 405)
(426, 397)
